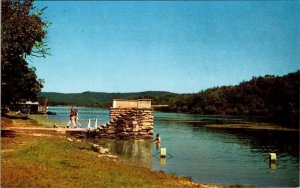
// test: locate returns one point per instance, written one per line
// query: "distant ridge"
(101, 99)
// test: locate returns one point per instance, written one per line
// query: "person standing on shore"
(76, 118)
(72, 118)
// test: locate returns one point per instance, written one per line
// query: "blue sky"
(181, 47)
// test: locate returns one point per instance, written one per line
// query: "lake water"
(207, 155)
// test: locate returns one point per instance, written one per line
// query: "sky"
(176, 46)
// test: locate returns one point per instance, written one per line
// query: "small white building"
(124, 103)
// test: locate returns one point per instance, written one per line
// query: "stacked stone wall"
(125, 123)
(132, 123)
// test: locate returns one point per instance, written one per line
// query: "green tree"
(23, 36)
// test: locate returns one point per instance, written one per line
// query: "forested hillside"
(264, 96)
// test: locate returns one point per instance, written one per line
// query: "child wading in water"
(157, 139)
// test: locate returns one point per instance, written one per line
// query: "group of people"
(74, 118)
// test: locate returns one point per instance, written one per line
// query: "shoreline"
(252, 126)
(27, 134)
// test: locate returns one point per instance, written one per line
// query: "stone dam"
(128, 119)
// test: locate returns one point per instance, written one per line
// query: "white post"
(272, 161)
(96, 124)
(272, 157)
(89, 124)
(163, 152)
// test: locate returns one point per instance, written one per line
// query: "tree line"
(261, 96)
(94, 99)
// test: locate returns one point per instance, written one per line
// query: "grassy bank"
(24, 120)
(48, 160)
(43, 121)
(30, 161)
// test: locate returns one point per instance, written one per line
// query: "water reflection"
(273, 166)
(157, 146)
(136, 152)
(280, 142)
(163, 161)
(229, 156)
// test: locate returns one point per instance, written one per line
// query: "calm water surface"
(207, 155)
